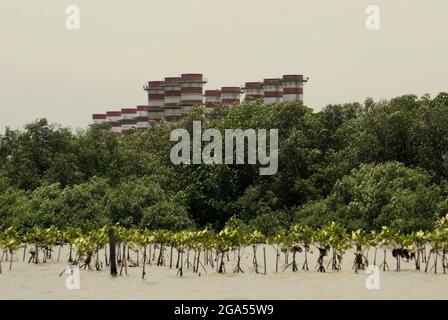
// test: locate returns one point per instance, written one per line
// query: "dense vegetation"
(364, 166)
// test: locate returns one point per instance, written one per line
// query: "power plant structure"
(173, 97)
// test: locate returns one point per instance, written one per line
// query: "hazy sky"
(49, 71)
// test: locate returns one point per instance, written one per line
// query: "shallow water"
(42, 281)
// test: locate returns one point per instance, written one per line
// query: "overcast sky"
(65, 76)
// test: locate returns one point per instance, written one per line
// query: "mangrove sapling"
(179, 240)
(39, 238)
(304, 235)
(144, 239)
(290, 243)
(361, 240)
(402, 246)
(340, 242)
(162, 238)
(276, 241)
(387, 237)
(200, 241)
(69, 237)
(122, 237)
(10, 242)
(238, 268)
(255, 238)
(240, 242)
(85, 248)
(322, 238)
(99, 239)
(418, 239)
(439, 243)
(225, 240)
(133, 246)
(374, 241)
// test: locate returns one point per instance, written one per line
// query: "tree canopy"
(362, 164)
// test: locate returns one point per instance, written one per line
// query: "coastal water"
(42, 281)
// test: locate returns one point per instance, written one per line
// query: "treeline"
(363, 165)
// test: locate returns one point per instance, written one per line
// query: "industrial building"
(171, 99)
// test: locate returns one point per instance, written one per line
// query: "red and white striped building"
(191, 91)
(156, 93)
(293, 87)
(172, 92)
(173, 97)
(99, 118)
(212, 98)
(142, 118)
(116, 127)
(253, 90)
(230, 95)
(156, 100)
(272, 91)
(128, 113)
(113, 116)
(128, 119)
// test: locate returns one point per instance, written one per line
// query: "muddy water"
(42, 281)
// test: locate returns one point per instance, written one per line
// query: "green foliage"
(373, 196)
(10, 239)
(167, 215)
(39, 209)
(270, 223)
(125, 203)
(83, 205)
(363, 165)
